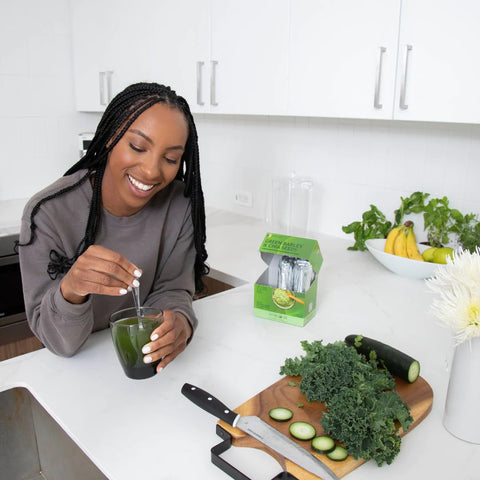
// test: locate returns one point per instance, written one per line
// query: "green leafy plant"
(415, 203)
(468, 230)
(374, 224)
(440, 222)
(439, 219)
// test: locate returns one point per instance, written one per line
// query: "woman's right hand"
(101, 271)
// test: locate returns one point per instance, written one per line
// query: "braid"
(122, 111)
(193, 189)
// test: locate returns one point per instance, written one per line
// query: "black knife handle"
(209, 403)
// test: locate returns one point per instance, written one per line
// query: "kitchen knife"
(259, 430)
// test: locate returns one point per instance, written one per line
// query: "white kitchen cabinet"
(427, 50)
(438, 74)
(109, 41)
(250, 43)
(223, 56)
(374, 59)
(232, 57)
(179, 37)
(343, 57)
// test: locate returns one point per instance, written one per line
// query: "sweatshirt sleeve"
(61, 326)
(174, 283)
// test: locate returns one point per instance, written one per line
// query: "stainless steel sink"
(34, 447)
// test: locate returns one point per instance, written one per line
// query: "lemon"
(428, 254)
(440, 256)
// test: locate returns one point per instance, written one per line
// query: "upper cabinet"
(391, 59)
(343, 57)
(249, 56)
(109, 49)
(223, 56)
(374, 59)
(179, 44)
(438, 75)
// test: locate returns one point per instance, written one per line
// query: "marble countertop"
(114, 419)
(10, 215)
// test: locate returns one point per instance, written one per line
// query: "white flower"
(458, 287)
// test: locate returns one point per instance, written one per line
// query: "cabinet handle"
(105, 79)
(199, 83)
(213, 84)
(378, 82)
(403, 92)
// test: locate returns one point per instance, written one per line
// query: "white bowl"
(405, 267)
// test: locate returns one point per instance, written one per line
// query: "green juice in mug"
(129, 337)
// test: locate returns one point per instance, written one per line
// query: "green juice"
(129, 338)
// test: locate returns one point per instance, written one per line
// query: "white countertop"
(11, 215)
(235, 355)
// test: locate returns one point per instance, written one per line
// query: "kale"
(365, 421)
(363, 411)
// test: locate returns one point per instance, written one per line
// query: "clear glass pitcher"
(291, 204)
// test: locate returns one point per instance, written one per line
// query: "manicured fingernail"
(122, 291)
(146, 349)
(154, 337)
(136, 283)
(160, 369)
(147, 359)
(137, 273)
(129, 288)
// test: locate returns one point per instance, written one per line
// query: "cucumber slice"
(323, 444)
(280, 414)
(338, 454)
(302, 430)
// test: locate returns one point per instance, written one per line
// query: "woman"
(130, 211)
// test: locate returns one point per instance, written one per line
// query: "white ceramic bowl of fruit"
(406, 267)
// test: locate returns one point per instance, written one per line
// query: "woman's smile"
(139, 185)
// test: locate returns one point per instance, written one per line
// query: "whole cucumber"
(397, 362)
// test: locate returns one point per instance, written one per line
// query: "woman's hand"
(168, 340)
(101, 271)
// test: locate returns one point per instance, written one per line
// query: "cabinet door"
(109, 49)
(438, 70)
(179, 43)
(343, 57)
(249, 44)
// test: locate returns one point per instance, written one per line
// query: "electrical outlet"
(243, 198)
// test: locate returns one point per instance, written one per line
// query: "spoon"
(136, 300)
(289, 293)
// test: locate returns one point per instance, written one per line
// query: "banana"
(400, 244)
(392, 235)
(412, 249)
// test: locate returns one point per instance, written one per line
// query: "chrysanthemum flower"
(458, 287)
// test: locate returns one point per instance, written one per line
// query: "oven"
(13, 320)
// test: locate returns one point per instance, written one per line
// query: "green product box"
(286, 258)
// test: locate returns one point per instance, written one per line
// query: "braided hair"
(121, 112)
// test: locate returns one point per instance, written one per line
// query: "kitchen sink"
(34, 447)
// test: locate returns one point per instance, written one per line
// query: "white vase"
(462, 413)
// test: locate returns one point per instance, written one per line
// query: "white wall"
(38, 123)
(354, 163)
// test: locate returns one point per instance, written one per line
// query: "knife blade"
(259, 430)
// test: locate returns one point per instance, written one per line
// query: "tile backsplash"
(354, 163)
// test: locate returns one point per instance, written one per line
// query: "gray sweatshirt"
(158, 239)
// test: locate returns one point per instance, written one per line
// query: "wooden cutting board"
(418, 396)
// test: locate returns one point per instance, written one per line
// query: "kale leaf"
(363, 411)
